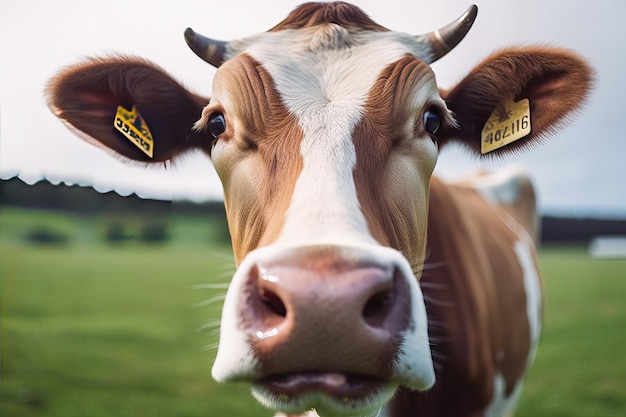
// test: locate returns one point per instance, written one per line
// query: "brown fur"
(338, 12)
(475, 303)
(270, 141)
(381, 141)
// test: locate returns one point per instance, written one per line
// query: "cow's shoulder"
(511, 189)
(505, 197)
(472, 281)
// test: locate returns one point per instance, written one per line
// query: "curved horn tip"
(209, 50)
(454, 33)
(467, 19)
(190, 35)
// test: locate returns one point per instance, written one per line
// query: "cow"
(365, 286)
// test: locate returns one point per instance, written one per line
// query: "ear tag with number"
(134, 128)
(510, 121)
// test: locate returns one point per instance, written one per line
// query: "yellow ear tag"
(134, 128)
(510, 121)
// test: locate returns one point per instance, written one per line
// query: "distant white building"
(604, 247)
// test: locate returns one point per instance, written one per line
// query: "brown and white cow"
(365, 286)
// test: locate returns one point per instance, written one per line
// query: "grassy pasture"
(91, 329)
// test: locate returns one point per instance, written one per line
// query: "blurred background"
(112, 275)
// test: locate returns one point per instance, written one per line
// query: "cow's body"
(483, 299)
(364, 286)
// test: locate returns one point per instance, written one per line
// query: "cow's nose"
(319, 311)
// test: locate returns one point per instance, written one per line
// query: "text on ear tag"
(510, 121)
(134, 128)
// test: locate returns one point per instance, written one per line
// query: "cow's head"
(324, 131)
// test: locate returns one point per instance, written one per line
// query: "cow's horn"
(210, 50)
(445, 39)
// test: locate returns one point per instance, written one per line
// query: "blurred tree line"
(154, 215)
(125, 217)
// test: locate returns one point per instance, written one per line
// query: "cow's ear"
(130, 106)
(554, 82)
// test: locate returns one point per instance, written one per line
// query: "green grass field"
(91, 329)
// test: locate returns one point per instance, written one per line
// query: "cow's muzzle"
(324, 326)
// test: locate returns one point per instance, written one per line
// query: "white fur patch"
(532, 286)
(502, 405)
(502, 186)
(414, 365)
(235, 360)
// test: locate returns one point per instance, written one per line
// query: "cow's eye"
(217, 124)
(432, 121)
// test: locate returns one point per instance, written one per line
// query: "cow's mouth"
(339, 393)
(342, 386)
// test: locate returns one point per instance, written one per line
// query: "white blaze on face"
(326, 85)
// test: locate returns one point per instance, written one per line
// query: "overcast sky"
(582, 170)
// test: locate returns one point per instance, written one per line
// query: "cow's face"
(325, 132)
(325, 155)
(318, 146)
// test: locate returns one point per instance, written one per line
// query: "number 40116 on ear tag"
(509, 122)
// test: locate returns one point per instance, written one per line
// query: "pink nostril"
(272, 301)
(378, 308)
(266, 307)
